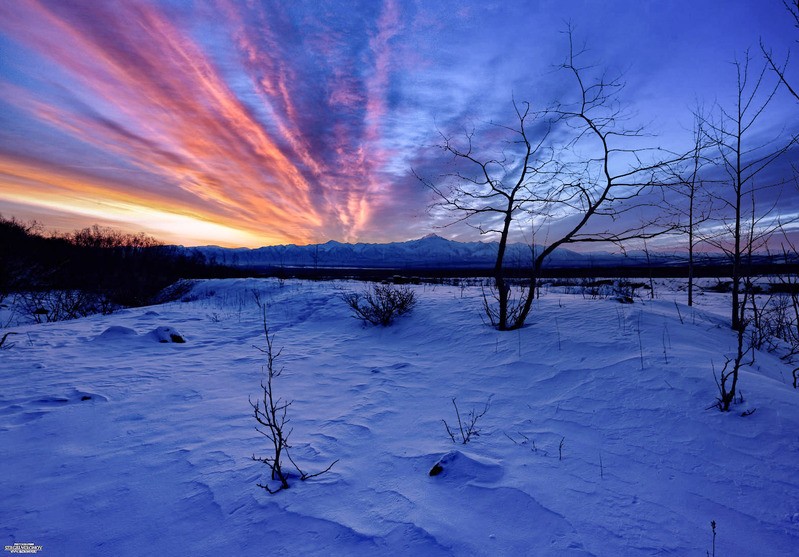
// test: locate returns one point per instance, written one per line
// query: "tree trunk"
(691, 249)
(736, 260)
(503, 290)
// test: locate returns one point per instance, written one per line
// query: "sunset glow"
(253, 123)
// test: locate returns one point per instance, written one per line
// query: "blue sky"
(246, 123)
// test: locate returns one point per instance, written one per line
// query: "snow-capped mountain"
(431, 251)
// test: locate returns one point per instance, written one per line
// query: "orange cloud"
(180, 119)
(289, 150)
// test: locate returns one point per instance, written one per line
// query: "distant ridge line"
(436, 257)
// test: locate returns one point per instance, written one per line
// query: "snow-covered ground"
(597, 441)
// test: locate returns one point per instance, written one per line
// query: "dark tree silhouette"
(692, 184)
(492, 191)
(743, 159)
(540, 176)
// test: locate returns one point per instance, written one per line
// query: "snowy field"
(597, 440)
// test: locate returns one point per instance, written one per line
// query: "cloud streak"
(265, 122)
(302, 166)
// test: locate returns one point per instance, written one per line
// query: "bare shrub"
(728, 381)
(713, 527)
(60, 305)
(772, 316)
(271, 414)
(777, 321)
(180, 290)
(3, 344)
(467, 426)
(380, 304)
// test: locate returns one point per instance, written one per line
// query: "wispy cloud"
(300, 167)
(281, 121)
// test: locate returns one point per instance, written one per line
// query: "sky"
(257, 122)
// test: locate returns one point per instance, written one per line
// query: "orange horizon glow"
(83, 200)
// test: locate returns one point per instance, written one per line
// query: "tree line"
(108, 268)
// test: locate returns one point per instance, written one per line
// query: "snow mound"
(116, 332)
(462, 467)
(167, 334)
(162, 334)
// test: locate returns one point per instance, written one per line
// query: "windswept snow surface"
(597, 441)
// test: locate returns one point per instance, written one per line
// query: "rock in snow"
(167, 334)
(458, 465)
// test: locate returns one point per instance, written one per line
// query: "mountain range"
(431, 251)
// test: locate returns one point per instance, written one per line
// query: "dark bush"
(381, 303)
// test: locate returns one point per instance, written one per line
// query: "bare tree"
(544, 180)
(691, 182)
(793, 9)
(490, 192)
(611, 182)
(743, 162)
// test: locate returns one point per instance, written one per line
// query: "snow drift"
(598, 440)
